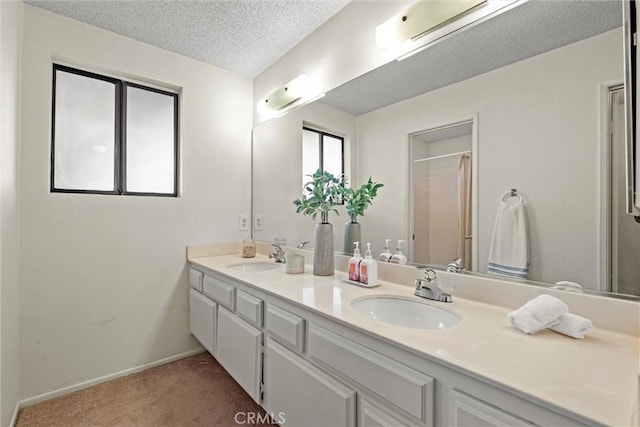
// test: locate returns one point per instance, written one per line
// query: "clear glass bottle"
(248, 248)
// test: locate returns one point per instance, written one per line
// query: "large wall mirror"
(538, 91)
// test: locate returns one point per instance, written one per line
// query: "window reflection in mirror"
(321, 150)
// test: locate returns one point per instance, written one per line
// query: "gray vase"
(323, 254)
(351, 234)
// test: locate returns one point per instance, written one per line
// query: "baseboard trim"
(70, 389)
(14, 418)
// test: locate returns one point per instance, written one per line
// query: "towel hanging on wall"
(509, 249)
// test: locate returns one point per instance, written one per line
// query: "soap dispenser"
(368, 269)
(386, 254)
(354, 264)
(399, 257)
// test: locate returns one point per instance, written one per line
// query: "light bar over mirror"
(419, 19)
(293, 94)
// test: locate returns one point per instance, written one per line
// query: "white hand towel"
(541, 312)
(567, 286)
(573, 325)
(509, 248)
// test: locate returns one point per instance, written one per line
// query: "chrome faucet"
(278, 254)
(429, 288)
(302, 244)
(455, 266)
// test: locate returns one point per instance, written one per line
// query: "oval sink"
(254, 266)
(406, 313)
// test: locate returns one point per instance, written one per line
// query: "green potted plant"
(356, 201)
(320, 195)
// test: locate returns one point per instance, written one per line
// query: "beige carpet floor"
(192, 392)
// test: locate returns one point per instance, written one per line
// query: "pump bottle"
(399, 257)
(386, 254)
(354, 263)
(368, 269)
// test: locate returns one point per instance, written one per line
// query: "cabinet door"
(300, 394)
(202, 319)
(239, 351)
(467, 411)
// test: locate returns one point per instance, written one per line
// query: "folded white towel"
(567, 286)
(573, 325)
(509, 248)
(541, 312)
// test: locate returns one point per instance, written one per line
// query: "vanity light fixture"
(429, 21)
(297, 92)
(420, 19)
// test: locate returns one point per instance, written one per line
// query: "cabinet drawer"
(371, 415)
(285, 326)
(249, 308)
(407, 389)
(195, 279)
(469, 411)
(218, 290)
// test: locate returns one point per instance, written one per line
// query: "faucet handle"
(302, 244)
(429, 275)
(278, 255)
(445, 297)
(427, 280)
(455, 265)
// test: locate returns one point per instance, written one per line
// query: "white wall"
(277, 172)
(104, 278)
(10, 40)
(538, 132)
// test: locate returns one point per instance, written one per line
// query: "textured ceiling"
(245, 36)
(529, 29)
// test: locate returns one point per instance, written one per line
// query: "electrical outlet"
(257, 222)
(243, 224)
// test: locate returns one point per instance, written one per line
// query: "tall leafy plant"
(357, 200)
(321, 194)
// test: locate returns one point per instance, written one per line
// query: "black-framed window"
(110, 136)
(321, 150)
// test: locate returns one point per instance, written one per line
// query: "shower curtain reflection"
(441, 195)
(464, 210)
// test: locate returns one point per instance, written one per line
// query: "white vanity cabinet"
(315, 376)
(307, 369)
(392, 386)
(227, 318)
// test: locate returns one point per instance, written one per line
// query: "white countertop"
(596, 377)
